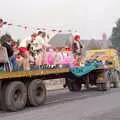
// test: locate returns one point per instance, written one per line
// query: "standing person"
(13, 58)
(45, 39)
(38, 49)
(27, 41)
(45, 46)
(24, 50)
(77, 49)
(38, 43)
(7, 44)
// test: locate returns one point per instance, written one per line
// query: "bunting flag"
(25, 27)
(19, 25)
(38, 29)
(5, 23)
(69, 30)
(43, 28)
(53, 30)
(59, 31)
(9, 24)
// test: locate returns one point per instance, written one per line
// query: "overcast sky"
(90, 17)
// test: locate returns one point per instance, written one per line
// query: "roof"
(61, 40)
(65, 39)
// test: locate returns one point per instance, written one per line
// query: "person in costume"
(77, 49)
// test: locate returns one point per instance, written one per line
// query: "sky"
(89, 17)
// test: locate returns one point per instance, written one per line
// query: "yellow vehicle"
(103, 76)
(109, 55)
(107, 74)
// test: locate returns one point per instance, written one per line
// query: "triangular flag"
(25, 27)
(53, 30)
(5, 23)
(60, 31)
(10, 24)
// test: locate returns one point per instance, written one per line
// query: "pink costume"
(49, 57)
(67, 59)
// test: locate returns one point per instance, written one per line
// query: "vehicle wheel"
(116, 83)
(74, 86)
(15, 96)
(2, 102)
(106, 85)
(36, 92)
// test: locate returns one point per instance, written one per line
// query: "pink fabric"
(50, 57)
(103, 62)
(67, 60)
(63, 58)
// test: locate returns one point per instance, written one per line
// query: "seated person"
(19, 61)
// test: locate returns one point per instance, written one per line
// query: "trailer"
(19, 88)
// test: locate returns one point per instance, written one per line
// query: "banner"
(80, 71)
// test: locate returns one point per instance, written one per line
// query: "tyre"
(15, 96)
(2, 102)
(36, 92)
(105, 85)
(116, 83)
(74, 86)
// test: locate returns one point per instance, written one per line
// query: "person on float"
(25, 43)
(40, 47)
(8, 45)
(77, 49)
(24, 51)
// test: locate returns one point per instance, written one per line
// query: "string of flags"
(9, 24)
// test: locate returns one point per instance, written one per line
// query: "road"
(64, 105)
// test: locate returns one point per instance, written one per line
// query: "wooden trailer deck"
(20, 74)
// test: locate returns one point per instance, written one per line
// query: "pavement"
(64, 105)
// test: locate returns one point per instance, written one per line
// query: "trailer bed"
(21, 74)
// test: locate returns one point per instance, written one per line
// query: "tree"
(115, 37)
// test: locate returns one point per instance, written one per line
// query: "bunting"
(25, 27)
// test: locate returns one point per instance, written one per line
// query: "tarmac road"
(64, 105)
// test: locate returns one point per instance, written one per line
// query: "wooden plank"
(5, 75)
(47, 71)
